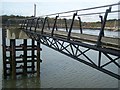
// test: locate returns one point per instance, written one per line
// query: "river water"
(60, 71)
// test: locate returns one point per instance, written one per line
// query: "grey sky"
(25, 7)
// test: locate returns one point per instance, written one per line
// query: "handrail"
(82, 9)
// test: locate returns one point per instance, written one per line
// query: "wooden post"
(119, 74)
(4, 53)
(10, 59)
(25, 58)
(13, 61)
(38, 59)
(33, 43)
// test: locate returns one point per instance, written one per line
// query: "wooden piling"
(10, 58)
(25, 58)
(38, 59)
(4, 53)
(13, 61)
(33, 44)
(14, 65)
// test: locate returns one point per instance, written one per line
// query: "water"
(60, 71)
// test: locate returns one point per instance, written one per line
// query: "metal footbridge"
(46, 30)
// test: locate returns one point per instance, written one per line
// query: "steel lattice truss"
(75, 51)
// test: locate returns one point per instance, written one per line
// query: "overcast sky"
(26, 7)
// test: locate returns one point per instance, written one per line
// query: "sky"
(43, 7)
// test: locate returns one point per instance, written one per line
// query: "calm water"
(60, 71)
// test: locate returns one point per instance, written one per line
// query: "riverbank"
(97, 28)
(106, 28)
(111, 24)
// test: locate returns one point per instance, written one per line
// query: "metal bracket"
(69, 33)
(31, 23)
(54, 25)
(101, 17)
(80, 23)
(43, 25)
(66, 25)
(36, 24)
(103, 26)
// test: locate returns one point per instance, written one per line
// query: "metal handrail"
(82, 9)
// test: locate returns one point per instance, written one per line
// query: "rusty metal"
(20, 65)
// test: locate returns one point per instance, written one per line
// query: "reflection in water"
(24, 82)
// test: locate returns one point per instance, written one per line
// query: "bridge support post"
(4, 53)
(38, 59)
(23, 64)
(13, 61)
(33, 43)
(25, 57)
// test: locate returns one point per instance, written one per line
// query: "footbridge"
(57, 31)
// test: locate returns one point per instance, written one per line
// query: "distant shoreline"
(91, 28)
(106, 28)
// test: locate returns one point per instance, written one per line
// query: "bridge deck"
(108, 42)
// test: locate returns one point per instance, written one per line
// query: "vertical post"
(80, 23)
(10, 59)
(43, 24)
(102, 28)
(4, 53)
(41, 21)
(31, 24)
(69, 33)
(38, 59)
(99, 59)
(66, 25)
(54, 26)
(36, 25)
(101, 24)
(13, 63)
(25, 22)
(48, 24)
(25, 58)
(33, 43)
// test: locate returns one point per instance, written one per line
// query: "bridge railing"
(62, 20)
